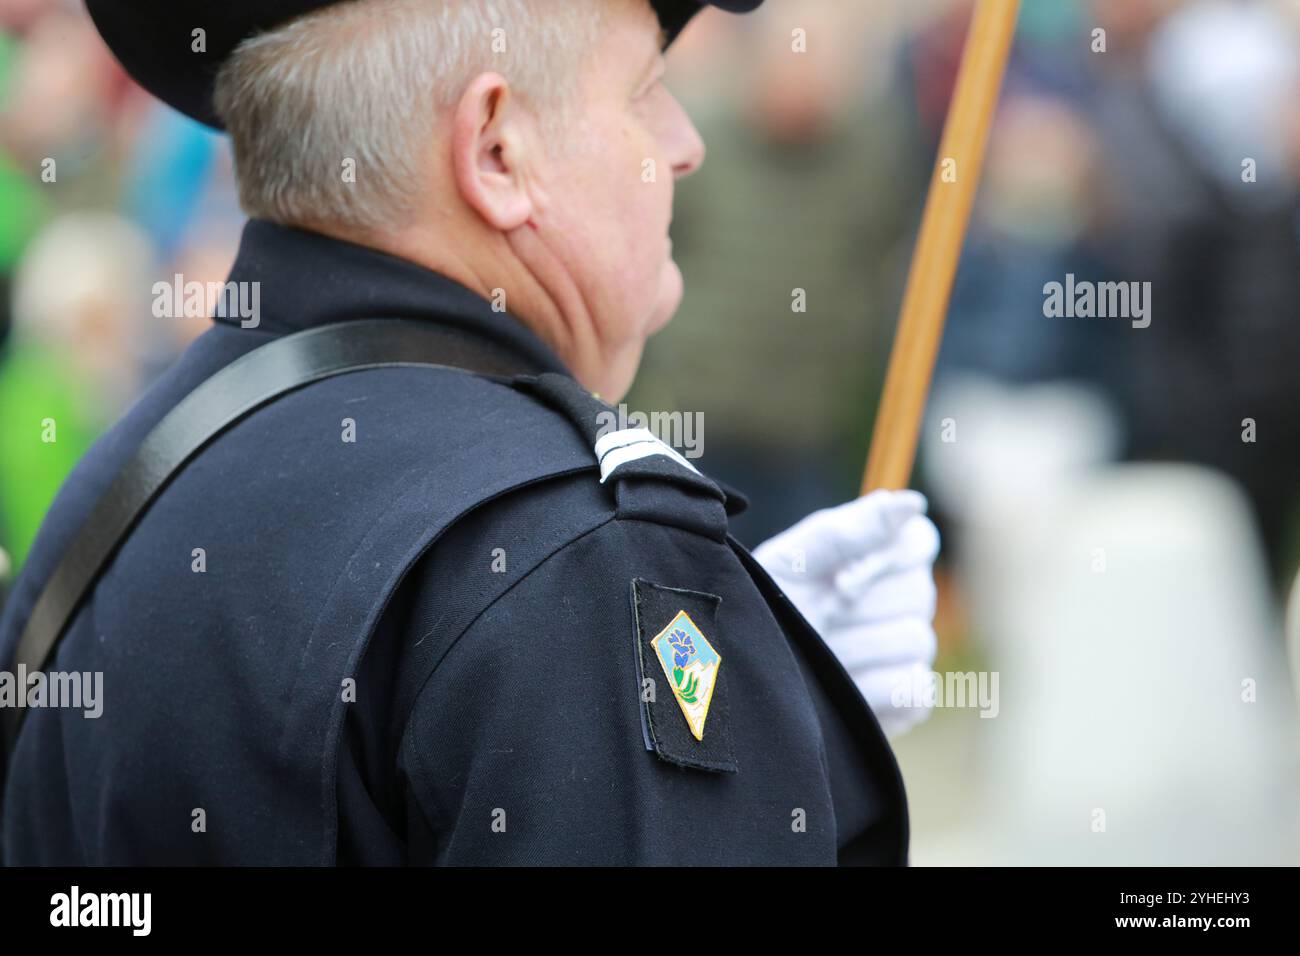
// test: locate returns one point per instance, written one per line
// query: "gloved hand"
(862, 574)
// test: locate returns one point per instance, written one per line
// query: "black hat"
(154, 39)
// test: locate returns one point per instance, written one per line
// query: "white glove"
(862, 574)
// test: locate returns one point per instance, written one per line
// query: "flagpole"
(948, 205)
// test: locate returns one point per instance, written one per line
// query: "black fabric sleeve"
(529, 744)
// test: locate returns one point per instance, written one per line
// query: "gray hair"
(357, 85)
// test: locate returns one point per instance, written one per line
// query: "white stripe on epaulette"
(631, 444)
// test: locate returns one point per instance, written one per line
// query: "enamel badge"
(691, 665)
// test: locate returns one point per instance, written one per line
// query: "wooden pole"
(938, 248)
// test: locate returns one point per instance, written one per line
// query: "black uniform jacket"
(404, 616)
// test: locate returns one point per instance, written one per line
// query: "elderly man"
(425, 608)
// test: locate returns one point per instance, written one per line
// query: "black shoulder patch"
(683, 676)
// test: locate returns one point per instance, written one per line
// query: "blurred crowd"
(104, 192)
(1164, 149)
(1117, 162)
(1122, 162)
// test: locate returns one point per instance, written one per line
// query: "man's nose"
(686, 146)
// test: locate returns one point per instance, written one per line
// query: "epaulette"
(650, 479)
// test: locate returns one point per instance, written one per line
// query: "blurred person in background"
(788, 239)
(1031, 227)
(1188, 96)
(1122, 165)
(1127, 164)
(19, 198)
(1035, 214)
(1226, 78)
(62, 108)
(75, 134)
(73, 360)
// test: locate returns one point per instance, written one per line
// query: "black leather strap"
(250, 382)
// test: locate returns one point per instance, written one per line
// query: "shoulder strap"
(250, 382)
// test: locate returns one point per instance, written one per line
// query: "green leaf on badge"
(677, 676)
(688, 693)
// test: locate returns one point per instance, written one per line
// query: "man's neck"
(543, 297)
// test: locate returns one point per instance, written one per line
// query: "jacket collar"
(306, 279)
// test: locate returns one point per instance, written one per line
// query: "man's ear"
(489, 152)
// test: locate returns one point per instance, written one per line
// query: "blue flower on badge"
(682, 645)
(691, 665)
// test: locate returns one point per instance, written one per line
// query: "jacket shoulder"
(443, 412)
(648, 478)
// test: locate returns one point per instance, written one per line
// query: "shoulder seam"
(567, 542)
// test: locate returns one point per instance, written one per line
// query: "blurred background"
(1120, 506)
